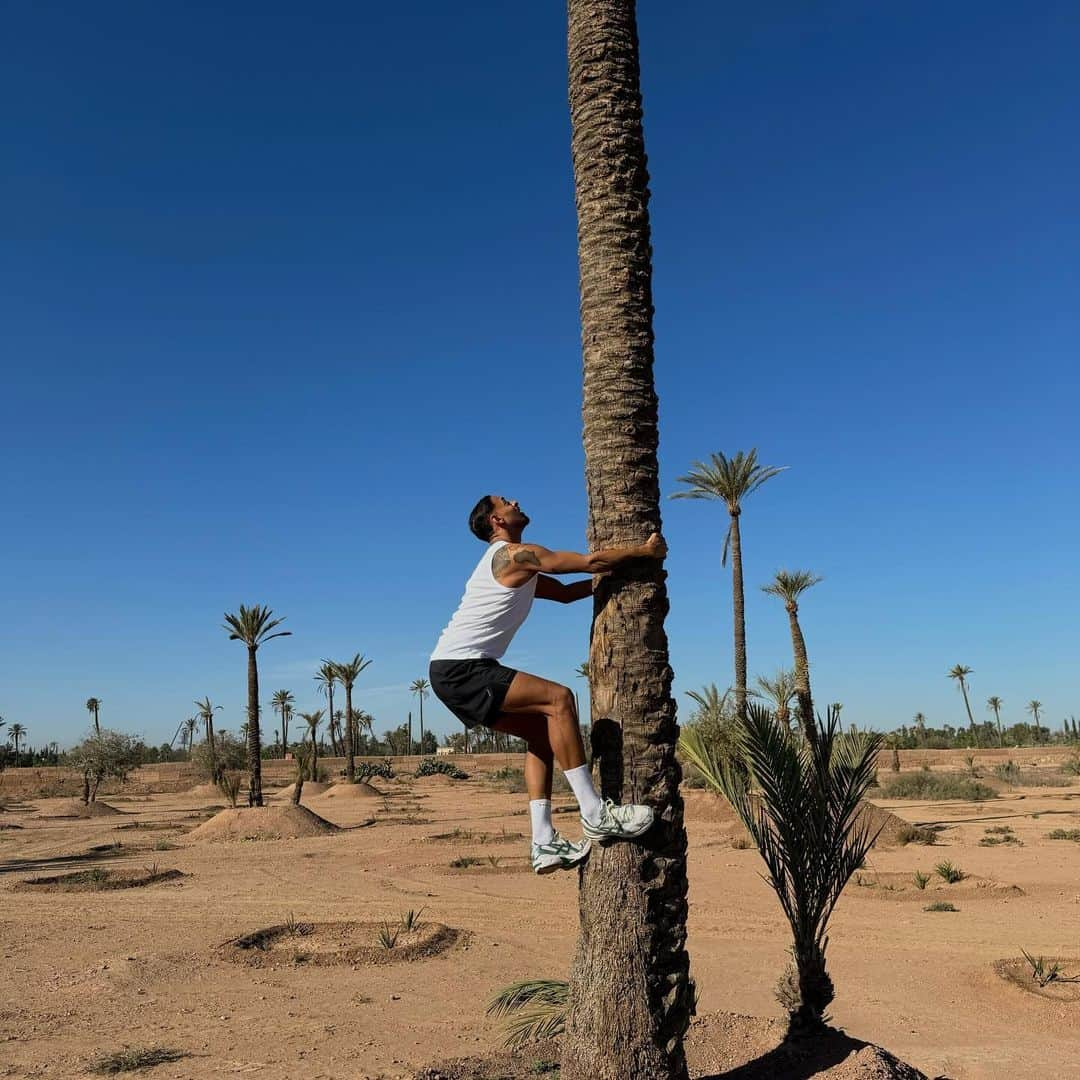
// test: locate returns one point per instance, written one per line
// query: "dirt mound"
(346, 792)
(720, 1044)
(311, 789)
(326, 944)
(286, 822)
(891, 826)
(75, 808)
(96, 880)
(1018, 971)
(435, 780)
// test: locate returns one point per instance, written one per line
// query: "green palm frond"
(729, 480)
(780, 689)
(348, 672)
(536, 1009)
(252, 625)
(312, 719)
(801, 804)
(789, 585)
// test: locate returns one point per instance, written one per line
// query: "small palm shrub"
(229, 783)
(1044, 973)
(410, 920)
(434, 767)
(921, 880)
(949, 873)
(537, 1009)
(800, 801)
(388, 936)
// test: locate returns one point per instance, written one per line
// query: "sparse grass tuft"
(1000, 834)
(941, 905)
(297, 929)
(388, 937)
(1044, 973)
(1064, 834)
(130, 1059)
(463, 862)
(949, 873)
(410, 920)
(915, 834)
(494, 860)
(164, 845)
(931, 785)
(741, 843)
(920, 879)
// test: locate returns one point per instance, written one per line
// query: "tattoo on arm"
(526, 557)
(501, 561)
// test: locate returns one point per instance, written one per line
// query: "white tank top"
(488, 616)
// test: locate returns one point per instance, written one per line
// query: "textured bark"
(971, 719)
(807, 721)
(631, 996)
(255, 797)
(421, 722)
(350, 736)
(740, 616)
(314, 773)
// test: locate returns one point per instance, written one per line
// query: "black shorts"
(473, 690)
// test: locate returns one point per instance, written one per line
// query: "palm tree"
(191, 725)
(633, 901)
(960, 672)
(994, 705)
(731, 480)
(1034, 707)
(347, 674)
(313, 720)
(206, 715)
(93, 707)
(325, 678)
(252, 626)
(282, 703)
(419, 687)
(336, 727)
(16, 732)
(789, 585)
(800, 802)
(920, 728)
(780, 689)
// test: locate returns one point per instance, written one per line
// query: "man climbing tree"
(631, 996)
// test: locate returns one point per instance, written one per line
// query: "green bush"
(941, 905)
(914, 834)
(1064, 834)
(365, 770)
(434, 767)
(931, 785)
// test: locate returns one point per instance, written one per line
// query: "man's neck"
(505, 534)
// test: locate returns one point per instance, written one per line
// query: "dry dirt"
(92, 972)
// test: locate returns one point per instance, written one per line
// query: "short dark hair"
(480, 519)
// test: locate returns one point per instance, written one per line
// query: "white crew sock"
(543, 832)
(580, 779)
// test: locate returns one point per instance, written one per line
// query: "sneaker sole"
(552, 868)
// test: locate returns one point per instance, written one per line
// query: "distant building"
(442, 751)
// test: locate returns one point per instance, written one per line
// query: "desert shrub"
(1046, 972)
(999, 834)
(365, 770)
(410, 920)
(509, 778)
(229, 783)
(109, 755)
(1009, 772)
(920, 879)
(693, 777)
(931, 785)
(463, 862)
(1064, 834)
(915, 834)
(941, 905)
(164, 845)
(388, 936)
(229, 753)
(1071, 766)
(1012, 774)
(130, 1059)
(949, 873)
(741, 843)
(434, 767)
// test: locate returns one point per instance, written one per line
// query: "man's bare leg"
(539, 757)
(535, 698)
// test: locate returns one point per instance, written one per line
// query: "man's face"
(507, 512)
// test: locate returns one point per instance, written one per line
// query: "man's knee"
(563, 704)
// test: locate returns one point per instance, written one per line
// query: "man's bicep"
(563, 562)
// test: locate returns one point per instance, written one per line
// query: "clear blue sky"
(284, 288)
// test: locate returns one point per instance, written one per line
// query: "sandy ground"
(86, 973)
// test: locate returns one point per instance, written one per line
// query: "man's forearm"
(577, 590)
(600, 562)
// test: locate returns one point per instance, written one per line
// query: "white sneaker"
(619, 822)
(559, 854)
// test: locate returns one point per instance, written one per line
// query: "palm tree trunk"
(255, 797)
(632, 898)
(740, 616)
(314, 758)
(97, 723)
(971, 719)
(409, 743)
(1001, 736)
(807, 720)
(213, 750)
(86, 789)
(421, 721)
(350, 739)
